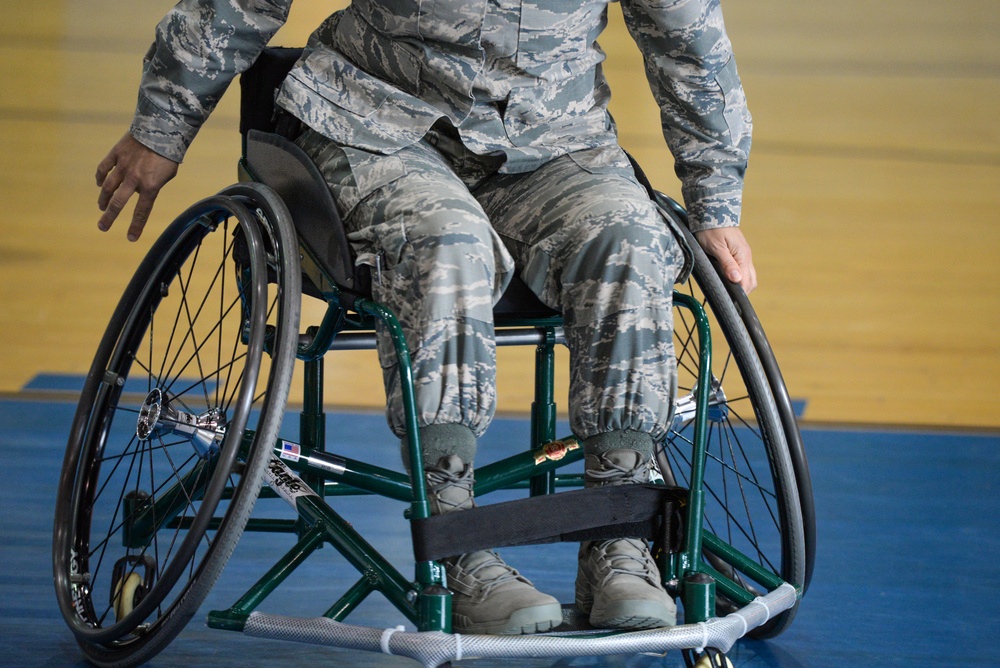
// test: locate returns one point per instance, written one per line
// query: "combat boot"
(488, 596)
(618, 584)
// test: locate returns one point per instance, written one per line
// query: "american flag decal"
(290, 451)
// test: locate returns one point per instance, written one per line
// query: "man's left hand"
(730, 248)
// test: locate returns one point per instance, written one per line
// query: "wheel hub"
(158, 418)
(686, 407)
(149, 415)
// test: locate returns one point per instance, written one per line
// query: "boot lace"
(451, 491)
(615, 474)
(489, 581)
(635, 562)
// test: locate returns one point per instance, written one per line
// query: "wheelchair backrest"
(259, 85)
(271, 158)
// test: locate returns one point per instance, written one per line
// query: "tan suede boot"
(488, 596)
(618, 583)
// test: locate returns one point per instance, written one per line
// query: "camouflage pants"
(443, 231)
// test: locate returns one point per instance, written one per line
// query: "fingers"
(108, 179)
(730, 249)
(115, 195)
(741, 269)
(104, 168)
(140, 215)
(130, 169)
(113, 198)
(730, 268)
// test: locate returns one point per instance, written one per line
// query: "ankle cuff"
(598, 444)
(442, 440)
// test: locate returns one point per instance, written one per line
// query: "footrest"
(433, 648)
(652, 512)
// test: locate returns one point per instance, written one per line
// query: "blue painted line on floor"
(58, 382)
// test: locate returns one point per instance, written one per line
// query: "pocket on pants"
(379, 246)
(369, 172)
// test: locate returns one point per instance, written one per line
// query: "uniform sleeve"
(691, 70)
(200, 47)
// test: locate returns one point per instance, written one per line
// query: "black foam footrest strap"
(652, 512)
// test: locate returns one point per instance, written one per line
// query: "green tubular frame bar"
(424, 601)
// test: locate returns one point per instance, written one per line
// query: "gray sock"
(441, 440)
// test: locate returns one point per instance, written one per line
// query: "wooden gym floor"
(872, 198)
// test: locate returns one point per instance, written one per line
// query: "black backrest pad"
(280, 164)
(258, 86)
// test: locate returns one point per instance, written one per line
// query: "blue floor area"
(909, 540)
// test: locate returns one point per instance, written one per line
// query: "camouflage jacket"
(521, 77)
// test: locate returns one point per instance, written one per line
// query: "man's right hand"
(131, 168)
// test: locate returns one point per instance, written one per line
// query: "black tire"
(751, 493)
(793, 437)
(200, 336)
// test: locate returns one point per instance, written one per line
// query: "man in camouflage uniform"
(462, 139)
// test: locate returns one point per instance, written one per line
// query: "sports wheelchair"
(177, 428)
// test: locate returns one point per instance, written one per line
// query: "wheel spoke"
(150, 500)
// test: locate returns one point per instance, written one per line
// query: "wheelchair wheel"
(796, 448)
(751, 492)
(175, 424)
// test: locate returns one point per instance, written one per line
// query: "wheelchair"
(177, 430)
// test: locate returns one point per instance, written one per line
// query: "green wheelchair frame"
(175, 529)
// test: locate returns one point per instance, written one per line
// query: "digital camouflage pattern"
(463, 137)
(443, 229)
(518, 76)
